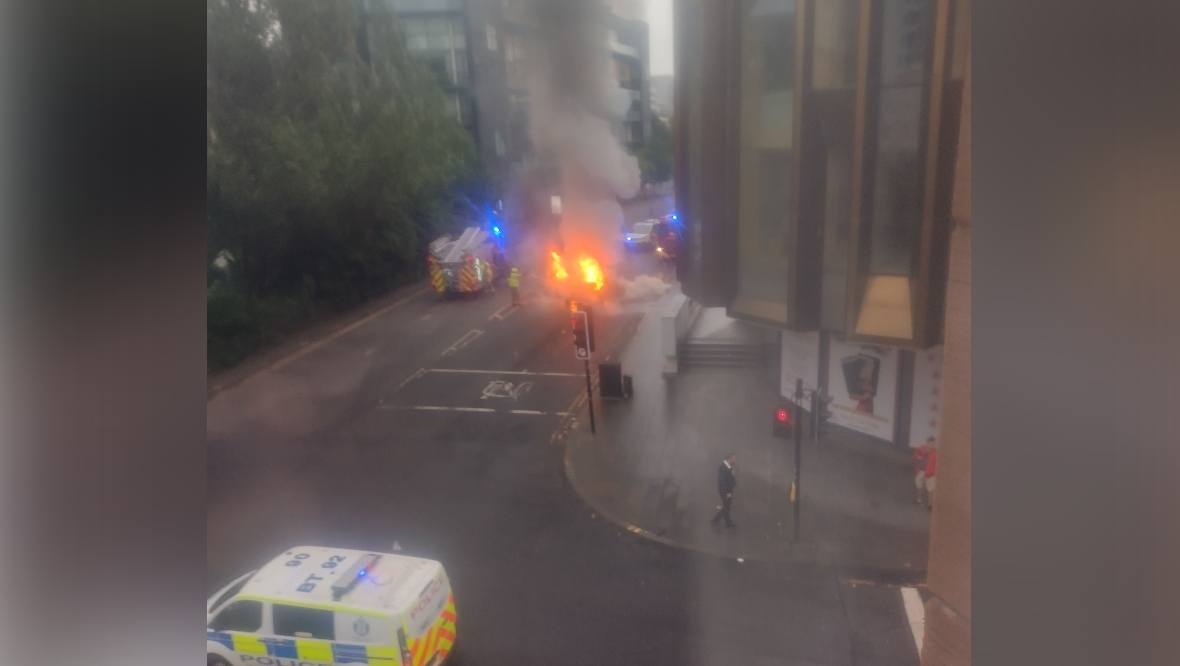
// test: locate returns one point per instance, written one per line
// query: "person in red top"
(925, 467)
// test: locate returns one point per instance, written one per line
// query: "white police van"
(316, 606)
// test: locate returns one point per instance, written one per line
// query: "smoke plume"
(643, 288)
(570, 123)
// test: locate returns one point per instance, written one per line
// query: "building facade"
(628, 43)
(818, 142)
(820, 174)
(479, 50)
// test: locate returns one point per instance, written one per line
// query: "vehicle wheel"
(215, 660)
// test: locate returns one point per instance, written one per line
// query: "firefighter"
(514, 284)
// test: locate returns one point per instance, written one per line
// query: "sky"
(659, 21)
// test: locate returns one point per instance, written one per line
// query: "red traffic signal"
(782, 422)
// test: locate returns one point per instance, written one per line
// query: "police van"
(315, 606)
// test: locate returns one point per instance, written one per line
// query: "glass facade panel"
(834, 41)
(440, 43)
(890, 237)
(766, 157)
(834, 53)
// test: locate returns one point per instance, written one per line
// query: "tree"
(329, 166)
(655, 158)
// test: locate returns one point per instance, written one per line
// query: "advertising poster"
(800, 359)
(862, 381)
(926, 413)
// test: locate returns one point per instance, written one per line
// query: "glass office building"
(818, 142)
(823, 178)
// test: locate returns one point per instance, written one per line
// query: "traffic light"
(825, 412)
(782, 422)
(582, 324)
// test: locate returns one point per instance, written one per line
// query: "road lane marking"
(504, 372)
(478, 410)
(307, 348)
(915, 612)
(468, 338)
(503, 313)
(417, 373)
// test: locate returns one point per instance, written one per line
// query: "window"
(416, 42)
(766, 158)
(888, 263)
(491, 33)
(239, 616)
(459, 59)
(230, 592)
(514, 56)
(304, 622)
(834, 44)
(835, 47)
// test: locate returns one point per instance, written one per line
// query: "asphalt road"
(433, 428)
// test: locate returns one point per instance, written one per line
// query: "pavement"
(433, 428)
(651, 468)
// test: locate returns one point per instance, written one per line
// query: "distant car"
(641, 236)
(668, 240)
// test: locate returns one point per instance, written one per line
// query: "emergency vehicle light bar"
(352, 575)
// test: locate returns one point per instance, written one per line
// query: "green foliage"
(331, 163)
(655, 158)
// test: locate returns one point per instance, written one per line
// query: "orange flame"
(592, 272)
(559, 271)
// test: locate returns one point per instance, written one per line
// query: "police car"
(315, 606)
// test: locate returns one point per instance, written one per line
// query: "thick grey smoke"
(570, 116)
(643, 288)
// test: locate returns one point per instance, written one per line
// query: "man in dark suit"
(726, 482)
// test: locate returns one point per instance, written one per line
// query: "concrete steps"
(721, 354)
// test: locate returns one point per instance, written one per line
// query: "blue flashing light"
(362, 573)
(497, 230)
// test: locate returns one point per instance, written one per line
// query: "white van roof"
(358, 579)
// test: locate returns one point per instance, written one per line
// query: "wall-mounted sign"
(862, 382)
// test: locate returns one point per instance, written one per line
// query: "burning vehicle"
(576, 277)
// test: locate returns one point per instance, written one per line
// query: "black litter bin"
(610, 380)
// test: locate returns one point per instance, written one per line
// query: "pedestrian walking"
(514, 284)
(925, 468)
(726, 482)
